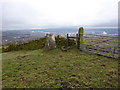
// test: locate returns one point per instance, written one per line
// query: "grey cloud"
(24, 15)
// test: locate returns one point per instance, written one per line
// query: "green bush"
(37, 44)
(31, 45)
(61, 41)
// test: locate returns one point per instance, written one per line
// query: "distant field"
(58, 69)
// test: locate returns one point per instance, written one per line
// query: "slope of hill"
(58, 69)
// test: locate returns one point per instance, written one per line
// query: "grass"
(0, 71)
(31, 45)
(58, 69)
(35, 44)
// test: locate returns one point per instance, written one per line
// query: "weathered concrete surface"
(50, 42)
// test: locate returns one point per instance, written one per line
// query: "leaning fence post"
(80, 35)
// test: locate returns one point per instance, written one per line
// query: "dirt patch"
(22, 57)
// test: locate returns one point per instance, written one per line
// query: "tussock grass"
(58, 69)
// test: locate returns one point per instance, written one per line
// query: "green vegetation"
(37, 44)
(29, 65)
(31, 45)
(58, 69)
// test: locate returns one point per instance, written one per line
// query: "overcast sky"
(25, 14)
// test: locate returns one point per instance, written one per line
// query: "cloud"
(58, 13)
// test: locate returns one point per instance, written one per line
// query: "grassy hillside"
(58, 69)
(36, 44)
(31, 45)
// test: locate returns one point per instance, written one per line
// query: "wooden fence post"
(113, 52)
(67, 41)
(77, 41)
(118, 50)
(80, 35)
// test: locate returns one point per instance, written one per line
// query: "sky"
(27, 14)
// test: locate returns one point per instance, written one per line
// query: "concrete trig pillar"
(50, 42)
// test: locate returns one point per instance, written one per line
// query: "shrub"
(37, 44)
(31, 45)
(62, 42)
